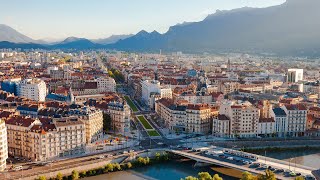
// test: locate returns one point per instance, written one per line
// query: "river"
(175, 170)
(172, 170)
(310, 157)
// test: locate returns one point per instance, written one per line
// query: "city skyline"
(49, 20)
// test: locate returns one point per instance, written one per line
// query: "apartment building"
(173, 115)
(45, 139)
(150, 87)
(295, 75)
(221, 126)
(120, 117)
(34, 89)
(93, 119)
(96, 86)
(281, 121)
(228, 87)
(244, 118)
(3, 145)
(266, 127)
(297, 119)
(198, 117)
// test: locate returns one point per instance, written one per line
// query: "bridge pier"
(201, 164)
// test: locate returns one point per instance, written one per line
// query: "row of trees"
(203, 176)
(269, 175)
(116, 75)
(110, 167)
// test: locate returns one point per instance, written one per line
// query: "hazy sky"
(58, 19)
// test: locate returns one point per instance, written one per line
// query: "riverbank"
(303, 155)
(267, 143)
(281, 149)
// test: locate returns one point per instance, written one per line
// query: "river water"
(310, 158)
(175, 170)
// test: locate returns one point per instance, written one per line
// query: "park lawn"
(153, 133)
(144, 122)
(131, 104)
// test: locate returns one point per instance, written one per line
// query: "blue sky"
(57, 19)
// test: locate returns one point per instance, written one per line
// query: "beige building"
(93, 119)
(3, 145)
(45, 139)
(120, 117)
(228, 87)
(173, 115)
(243, 117)
(198, 118)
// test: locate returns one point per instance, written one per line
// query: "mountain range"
(291, 28)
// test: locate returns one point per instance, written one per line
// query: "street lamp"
(265, 156)
(290, 162)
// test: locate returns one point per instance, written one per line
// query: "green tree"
(216, 177)
(204, 176)
(116, 167)
(106, 122)
(165, 156)
(42, 178)
(109, 168)
(299, 178)
(59, 176)
(83, 174)
(158, 156)
(269, 175)
(190, 178)
(129, 165)
(74, 175)
(248, 176)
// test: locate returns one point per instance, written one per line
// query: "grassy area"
(131, 104)
(153, 133)
(144, 122)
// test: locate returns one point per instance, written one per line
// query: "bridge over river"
(278, 164)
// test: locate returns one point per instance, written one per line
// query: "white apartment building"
(93, 119)
(3, 145)
(281, 121)
(193, 98)
(266, 127)
(120, 117)
(106, 84)
(148, 87)
(45, 139)
(243, 117)
(92, 87)
(295, 75)
(34, 89)
(297, 119)
(221, 126)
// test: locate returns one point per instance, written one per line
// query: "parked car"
(17, 168)
(230, 158)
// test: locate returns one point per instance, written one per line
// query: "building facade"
(120, 117)
(34, 89)
(3, 145)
